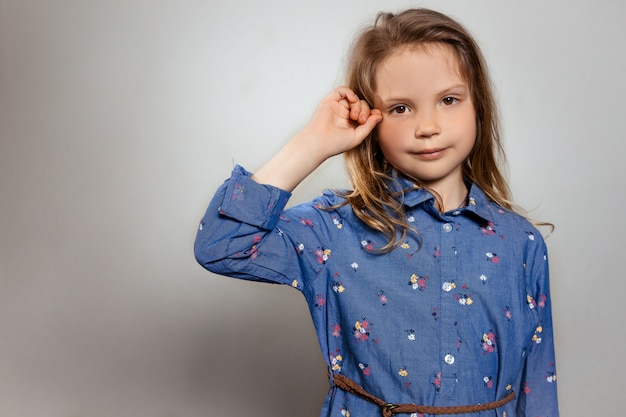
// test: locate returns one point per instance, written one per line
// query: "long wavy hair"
(373, 198)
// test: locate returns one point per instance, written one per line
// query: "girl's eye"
(400, 109)
(449, 101)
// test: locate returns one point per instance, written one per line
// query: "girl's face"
(429, 122)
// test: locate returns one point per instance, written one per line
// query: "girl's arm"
(246, 234)
(341, 122)
(539, 390)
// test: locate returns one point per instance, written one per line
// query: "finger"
(364, 112)
(364, 129)
(356, 109)
(341, 93)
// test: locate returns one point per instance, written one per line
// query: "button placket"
(448, 307)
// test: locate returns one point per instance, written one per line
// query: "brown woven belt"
(388, 409)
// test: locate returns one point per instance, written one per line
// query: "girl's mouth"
(430, 154)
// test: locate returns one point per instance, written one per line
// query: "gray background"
(119, 118)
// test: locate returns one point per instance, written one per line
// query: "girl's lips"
(430, 154)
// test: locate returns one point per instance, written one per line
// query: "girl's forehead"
(424, 65)
(433, 50)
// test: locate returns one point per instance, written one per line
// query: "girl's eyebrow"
(453, 87)
(385, 101)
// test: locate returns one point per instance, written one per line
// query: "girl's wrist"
(293, 163)
(310, 148)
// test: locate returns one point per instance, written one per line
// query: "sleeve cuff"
(247, 201)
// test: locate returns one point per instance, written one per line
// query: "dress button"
(447, 227)
(447, 286)
(449, 359)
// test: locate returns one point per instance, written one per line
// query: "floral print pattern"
(457, 315)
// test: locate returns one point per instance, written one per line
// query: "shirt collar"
(479, 204)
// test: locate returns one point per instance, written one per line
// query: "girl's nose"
(427, 125)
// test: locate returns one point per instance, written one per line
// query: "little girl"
(429, 294)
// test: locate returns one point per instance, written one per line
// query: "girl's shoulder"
(328, 203)
(508, 221)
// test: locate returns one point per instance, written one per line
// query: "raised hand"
(340, 122)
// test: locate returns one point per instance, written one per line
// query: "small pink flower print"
(306, 222)
(541, 300)
(488, 380)
(492, 257)
(464, 299)
(531, 302)
(418, 282)
(253, 252)
(319, 301)
(488, 342)
(437, 381)
(507, 313)
(437, 252)
(322, 254)
(488, 229)
(435, 313)
(336, 330)
(526, 388)
(368, 245)
(365, 368)
(382, 297)
(237, 192)
(362, 330)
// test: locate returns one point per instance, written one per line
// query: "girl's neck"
(456, 200)
(452, 194)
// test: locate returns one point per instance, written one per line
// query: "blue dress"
(459, 315)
